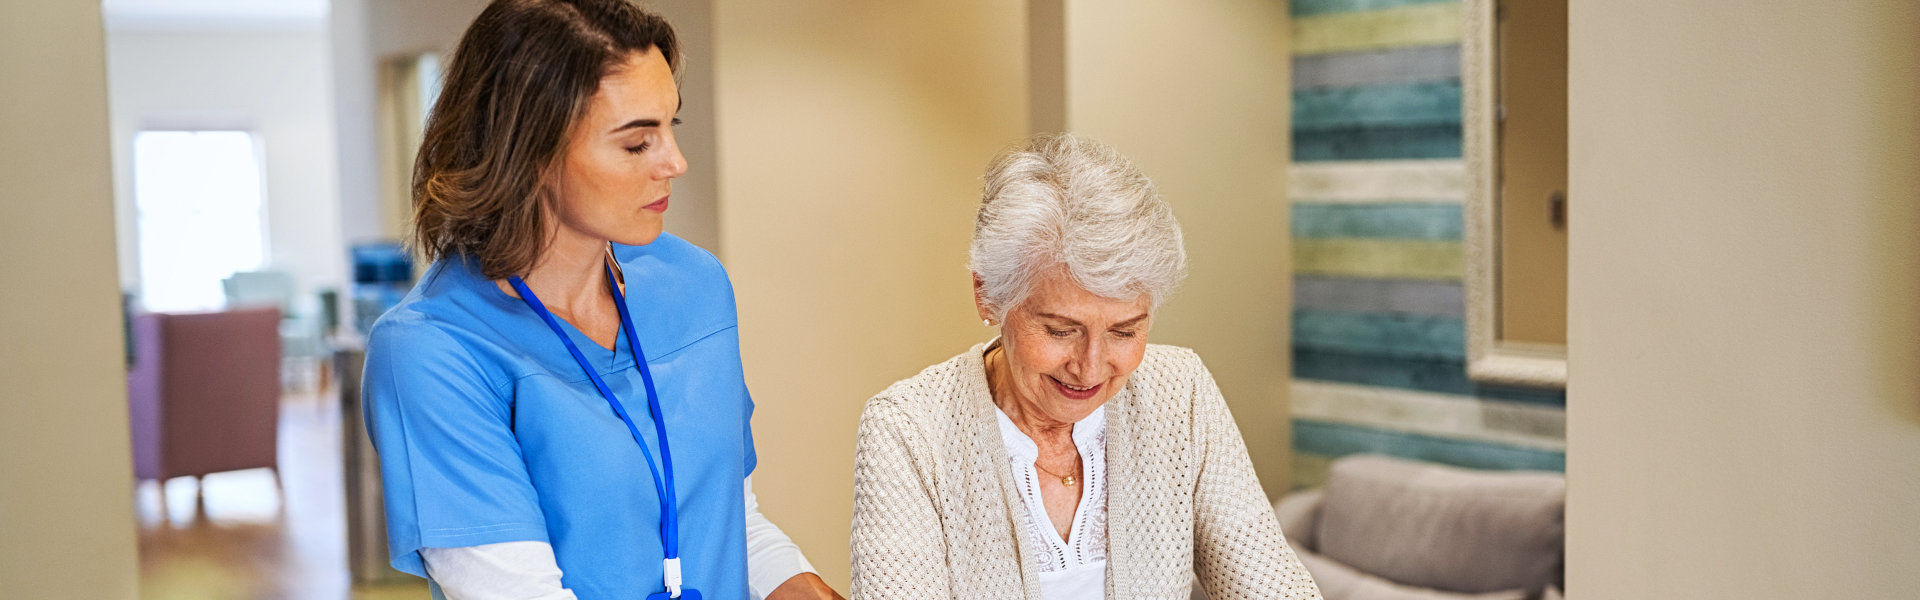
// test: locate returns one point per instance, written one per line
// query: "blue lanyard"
(669, 513)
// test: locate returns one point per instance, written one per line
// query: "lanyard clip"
(671, 568)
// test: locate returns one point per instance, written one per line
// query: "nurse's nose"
(676, 163)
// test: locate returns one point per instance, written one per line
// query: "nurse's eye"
(639, 149)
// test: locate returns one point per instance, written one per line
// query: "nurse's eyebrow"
(639, 123)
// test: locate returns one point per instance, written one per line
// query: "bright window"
(198, 196)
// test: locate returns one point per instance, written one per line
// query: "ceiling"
(243, 14)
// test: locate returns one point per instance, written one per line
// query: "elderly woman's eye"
(1059, 332)
(1122, 333)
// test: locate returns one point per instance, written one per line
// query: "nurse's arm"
(503, 571)
(805, 586)
(776, 569)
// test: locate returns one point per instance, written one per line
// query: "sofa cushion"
(1297, 512)
(1341, 582)
(1442, 527)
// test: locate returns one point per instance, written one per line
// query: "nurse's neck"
(570, 277)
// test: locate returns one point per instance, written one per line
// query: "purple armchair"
(204, 392)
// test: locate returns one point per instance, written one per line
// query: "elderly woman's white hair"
(1059, 200)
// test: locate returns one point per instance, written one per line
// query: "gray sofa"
(1389, 529)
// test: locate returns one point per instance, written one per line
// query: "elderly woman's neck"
(1030, 420)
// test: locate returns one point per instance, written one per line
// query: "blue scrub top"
(488, 431)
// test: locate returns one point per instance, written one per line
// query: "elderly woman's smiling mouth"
(1076, 393)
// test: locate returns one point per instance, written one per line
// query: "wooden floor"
(247, 539)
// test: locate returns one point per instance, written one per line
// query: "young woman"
(558, 405)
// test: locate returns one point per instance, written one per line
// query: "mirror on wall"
(1514, 86)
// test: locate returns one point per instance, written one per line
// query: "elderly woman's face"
(1069, 350)
(621, 157)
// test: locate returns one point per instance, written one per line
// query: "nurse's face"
(1069, 350)
(621, 157)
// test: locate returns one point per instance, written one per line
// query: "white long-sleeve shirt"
(528, 570)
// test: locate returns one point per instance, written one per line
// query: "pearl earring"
(986, 322)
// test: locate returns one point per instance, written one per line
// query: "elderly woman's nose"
(1088, 355)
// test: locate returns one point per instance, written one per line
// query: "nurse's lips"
(1074, 393)
(658, 205)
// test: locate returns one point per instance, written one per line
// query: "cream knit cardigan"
(934, 501)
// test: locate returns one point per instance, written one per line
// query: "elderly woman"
(1067, 458)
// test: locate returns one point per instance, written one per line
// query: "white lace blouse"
(1074, 567)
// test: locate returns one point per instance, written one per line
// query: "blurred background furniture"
(366, 508)
(303, 328)
(1390, 529)
(204, 393)
(382, 275)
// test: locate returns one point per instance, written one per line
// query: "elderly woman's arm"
(1238, 549)
(898, 549)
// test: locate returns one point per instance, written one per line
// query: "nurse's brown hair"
(520, 78)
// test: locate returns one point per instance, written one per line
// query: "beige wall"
(1744, 394)
(66, 473)
(1196, 94)
(696, 199)
(852, 137)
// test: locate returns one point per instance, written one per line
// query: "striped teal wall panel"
(1377, 67)
(1441, 415)
(1407, 221)
(1379, 334)
(1379, 258)
(1376, 186)
(1309, 469)
(1306, 8)
(1373, 181)
(1430, 374)
(1363, 295)
(1426, 24)
(1436, 141)
(1334, 440)
(1377, 106)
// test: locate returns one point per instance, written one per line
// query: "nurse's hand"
(805, 586)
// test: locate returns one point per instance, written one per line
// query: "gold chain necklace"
(1066, 480)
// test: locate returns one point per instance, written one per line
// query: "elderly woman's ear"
(980, 301)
